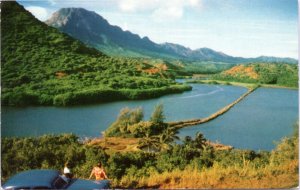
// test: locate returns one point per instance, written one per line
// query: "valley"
(78, 89)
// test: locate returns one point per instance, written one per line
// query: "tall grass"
(282, 171)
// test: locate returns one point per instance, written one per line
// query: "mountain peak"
(94, 30)
(65, 15)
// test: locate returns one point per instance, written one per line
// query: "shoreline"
(95, 96)
(280, 87)
(241, 84)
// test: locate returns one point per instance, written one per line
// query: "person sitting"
(98, 172)
(67, 172)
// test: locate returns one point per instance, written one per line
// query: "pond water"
(257, 122)
(267, 114)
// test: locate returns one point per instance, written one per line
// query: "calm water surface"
(264, 116)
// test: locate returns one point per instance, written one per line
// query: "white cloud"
(158, 9)
(194, 2)
(137, 5)
(174, 10)
(39, 12)
(128, 6)
(170, 13)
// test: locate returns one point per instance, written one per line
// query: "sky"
(244, 28)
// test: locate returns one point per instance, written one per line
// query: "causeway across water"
(185, 123)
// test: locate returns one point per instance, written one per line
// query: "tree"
(141, 129)
(149, 142)
(200, 141)
(126, 118)
(136, 115)
(158, 115)
(167, 137)
(187, 140)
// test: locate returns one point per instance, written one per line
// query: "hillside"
(94, 30)
(42, 66)
(264, 73)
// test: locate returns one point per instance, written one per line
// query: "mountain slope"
(94, 30)
(43, 66)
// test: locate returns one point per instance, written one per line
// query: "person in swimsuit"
(98, 172)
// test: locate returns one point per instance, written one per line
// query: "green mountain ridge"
(94, 30)
(42, 66)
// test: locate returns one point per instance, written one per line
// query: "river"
(263, 117)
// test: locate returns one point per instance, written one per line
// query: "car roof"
(32, 178)
(80, 184)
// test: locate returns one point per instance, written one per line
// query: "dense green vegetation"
(130, 124)
(51, 151)
(42, 66)
(137, 169)
(206, 67)
(48, 151)
(281, 74)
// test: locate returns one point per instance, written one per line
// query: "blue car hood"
(32, 178)
(80, 184)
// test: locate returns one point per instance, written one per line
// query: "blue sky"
(246, 28)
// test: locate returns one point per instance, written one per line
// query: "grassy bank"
(278, 86)
(241, 84)
(95, 96)
(88, 96)
(211, 81)
(282, 176)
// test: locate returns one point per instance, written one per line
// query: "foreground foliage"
(236, 169)
(190, 164)
(48, 151)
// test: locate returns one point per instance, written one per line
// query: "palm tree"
(187, 140)
(168, 136)
(200, 141)
(149, 142)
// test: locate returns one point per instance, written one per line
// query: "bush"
(49, 151)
